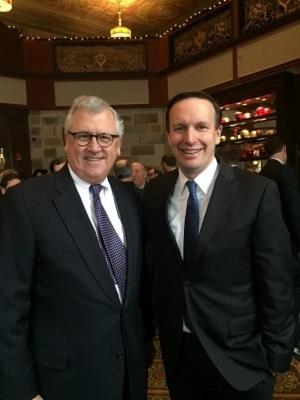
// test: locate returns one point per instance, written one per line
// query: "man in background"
(71, 322)
(230, 153)
(152, 173)
(222, 265)
(10, 178)
(168, 162)
(139, 176)
(123, 170)
(286, 180)
(57, 163)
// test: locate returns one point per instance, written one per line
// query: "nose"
(94, 145)
(190, 135)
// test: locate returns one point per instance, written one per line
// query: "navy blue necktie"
(110, 243)
(191, 222)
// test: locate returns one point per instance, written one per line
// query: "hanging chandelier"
(5, 5)
(119, 31)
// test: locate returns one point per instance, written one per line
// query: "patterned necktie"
(110, 243)
(191, 222)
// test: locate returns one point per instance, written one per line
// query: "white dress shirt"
(178, 202)
(108, 202)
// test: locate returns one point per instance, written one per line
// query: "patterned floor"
(287, 385)
(157, 389)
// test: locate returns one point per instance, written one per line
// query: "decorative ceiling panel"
(93, 18)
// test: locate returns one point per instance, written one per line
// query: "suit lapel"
(223, 193)
(71, 210)
(132, 240)
(170, 248)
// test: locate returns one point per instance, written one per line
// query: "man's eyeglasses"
(85, 138)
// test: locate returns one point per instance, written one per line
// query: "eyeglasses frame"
(91, 136)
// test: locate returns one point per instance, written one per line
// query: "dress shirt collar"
(203, 180)
(277, 159)
(83, 184)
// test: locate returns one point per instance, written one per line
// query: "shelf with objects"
(249, 123)
(255, 110)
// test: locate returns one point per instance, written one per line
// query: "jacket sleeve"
(273, 271)
(17, 380)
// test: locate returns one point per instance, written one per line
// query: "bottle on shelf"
(250, 122)
(2, 159)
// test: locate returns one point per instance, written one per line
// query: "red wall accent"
(158, 91)
(40, 94)
(38, 56)
(158, 54)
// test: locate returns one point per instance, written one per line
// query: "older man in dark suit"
(222, 277)
(71, 324)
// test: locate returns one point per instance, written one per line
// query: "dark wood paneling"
(14, 138)
(10, 50)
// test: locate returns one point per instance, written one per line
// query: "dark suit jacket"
(63, 332)
(237, 289)
(285, 177)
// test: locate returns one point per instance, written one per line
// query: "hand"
(38, 397)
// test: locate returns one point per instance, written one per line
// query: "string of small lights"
(170, 30)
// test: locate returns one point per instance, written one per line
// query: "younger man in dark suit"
(222, 254)
(71, 324)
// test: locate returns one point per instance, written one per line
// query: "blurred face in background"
(139, 174)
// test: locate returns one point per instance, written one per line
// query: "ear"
(218, 132)
(169, 138)
(119, 148)
(66, 144)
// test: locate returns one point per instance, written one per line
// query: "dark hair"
(274, 145)
(122, 169)
(189, 95)
(40, 171)
(155, 170)
(57, 161)
(10, 175)
(229, 152)
(169, 160)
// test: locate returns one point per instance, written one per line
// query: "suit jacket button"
(120, 355)
(187, 283)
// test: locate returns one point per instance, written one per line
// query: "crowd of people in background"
(125, 170)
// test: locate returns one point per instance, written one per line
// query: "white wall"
(211, 72)
(13, 91)
(114, 92)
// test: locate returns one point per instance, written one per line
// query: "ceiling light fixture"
(119, 31)
(5, 5)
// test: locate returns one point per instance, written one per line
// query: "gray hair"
(93, 105)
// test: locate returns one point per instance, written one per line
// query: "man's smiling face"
(193, 134)
(92, 163)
